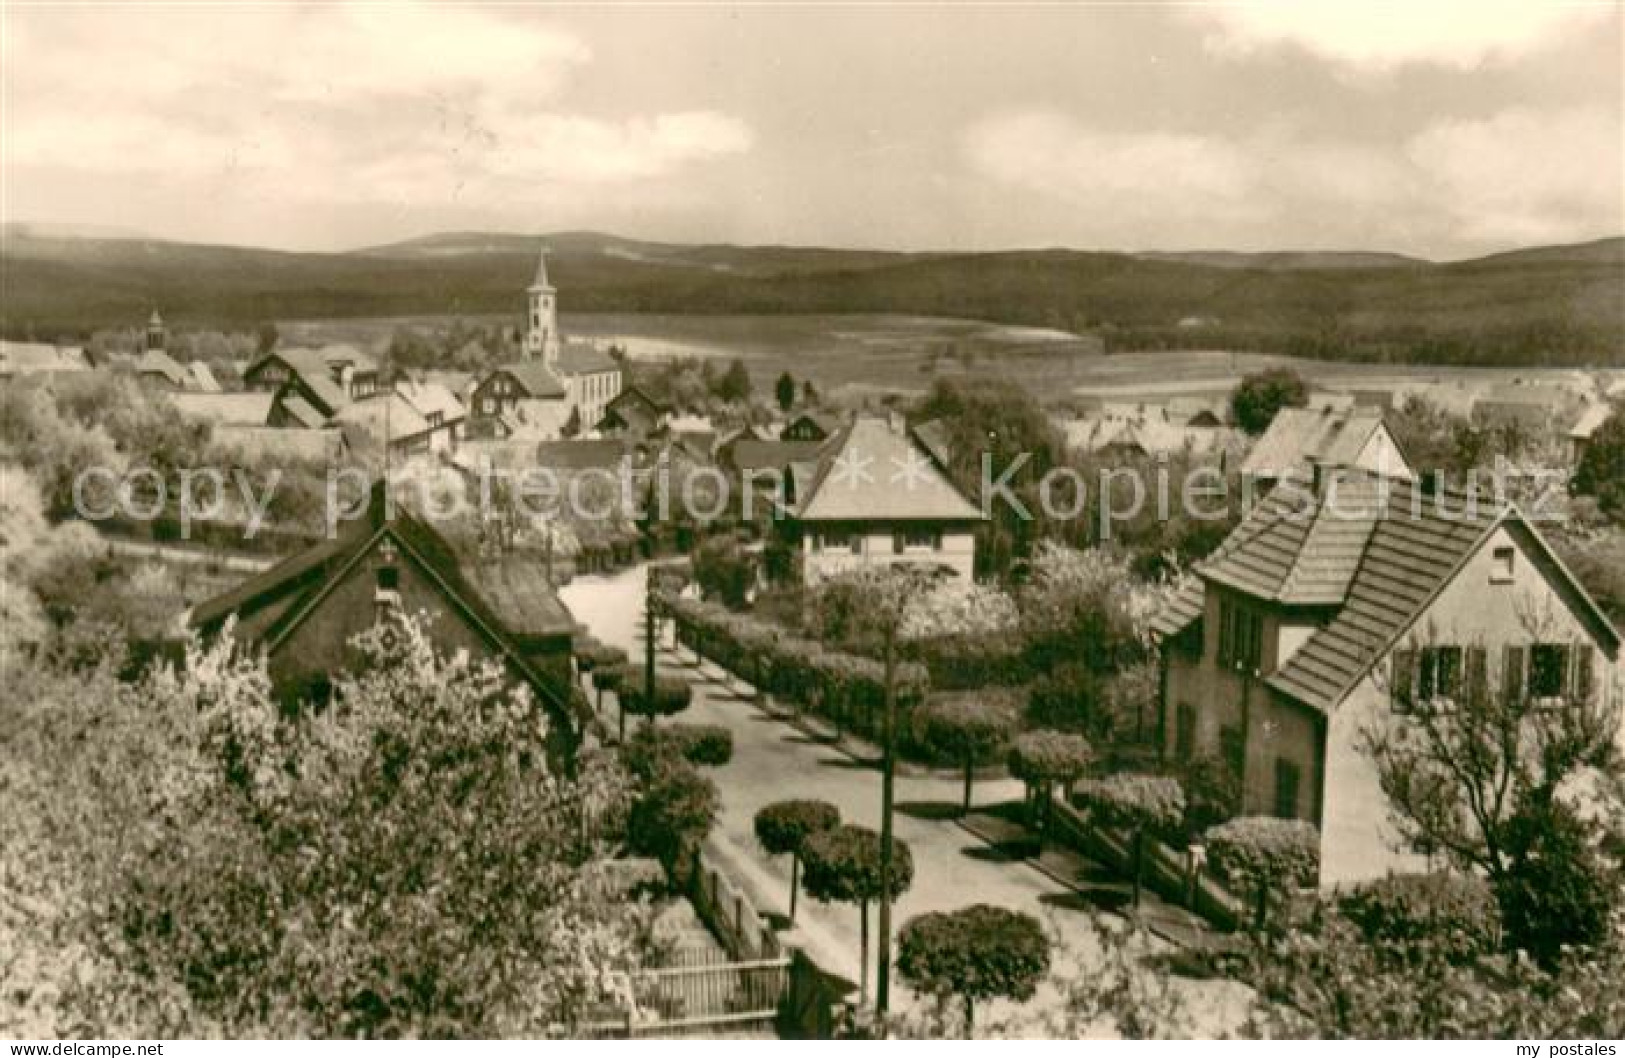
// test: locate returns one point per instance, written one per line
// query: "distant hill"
(1286, 260)
(1549, 305)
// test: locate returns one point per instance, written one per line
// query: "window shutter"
(1583, 658)
(1403, 680)
(1477, 673)
(1512, 673)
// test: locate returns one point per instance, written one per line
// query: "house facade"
(875, 494)
(1340, 605)
(306, 611)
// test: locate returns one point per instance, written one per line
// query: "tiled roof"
(233, 409)
(339, 354)
(1298, 549)
(321, 445)
(202, 379)
(23, 358)
(522, 596)
(302, 411)
(748, 453)
(1589, 421)
(1413, 550)
(535, 378)
(1300, 436)
(429, 397)
(871, 472)
(1183, 610)
(581, 454)
(158, 362)
(583, 358)
(378, 413)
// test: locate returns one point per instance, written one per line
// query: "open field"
(888, 353)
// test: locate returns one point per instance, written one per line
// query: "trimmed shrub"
(1409, 916)
(672, 694)
(976, 953)
(966, 731)
(842, 865)
(1140, 804)
(653, 750)
(1263, 856)
(1042, 759)
(784, 827)
(724, 571)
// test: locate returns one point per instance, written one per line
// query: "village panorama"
(1109, 525)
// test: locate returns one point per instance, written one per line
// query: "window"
(1439, 674)
(1286, 788)
(1501, 563)
(1548, 670)
(1241, 636)
(436, 419)
(917, 540)
(841, 540)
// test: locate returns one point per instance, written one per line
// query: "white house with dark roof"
(1341, 602)
(875, 494)
(1300, 438)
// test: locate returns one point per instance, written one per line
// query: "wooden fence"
(738, 991)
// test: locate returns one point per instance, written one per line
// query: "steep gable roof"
(1414, 552)
(584, 358)
(158, 362)
(292, 590)
(534, 377)
(1300, 436)
(1299, 548)
(871, 472)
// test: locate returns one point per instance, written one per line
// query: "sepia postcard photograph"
(880, 521)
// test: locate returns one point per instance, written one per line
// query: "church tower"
(157, 336)
(542, 325)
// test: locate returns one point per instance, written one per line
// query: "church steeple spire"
(542, 324)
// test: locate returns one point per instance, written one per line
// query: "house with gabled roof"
(1299, 438)
(1342, 601)
(342, 372)
(305, 612)
(632, 411)
(810, 426)
(875, 494)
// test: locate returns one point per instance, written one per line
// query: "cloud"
(1526, 175)
(1519, 176)
(332, 103)
(1378, 37)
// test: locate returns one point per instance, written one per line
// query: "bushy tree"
(673, 814)
(1259, 396)
(784, 827)
(1043, 760)
(652, 749)
(734, 385)
(842, 865)
(1601, 471)
(1413, 918)
(976, 953)
(1142, 805)
(725, 571)
(968, 731)
(1262, 857)
(240, 873)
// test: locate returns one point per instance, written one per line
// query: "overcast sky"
(1442, 129)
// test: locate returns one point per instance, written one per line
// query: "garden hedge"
(672, 694)
(847, 689)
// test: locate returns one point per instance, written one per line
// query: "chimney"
(894, 421)
(1317, 478)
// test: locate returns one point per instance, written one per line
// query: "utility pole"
(648, 647)
(888, 759)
